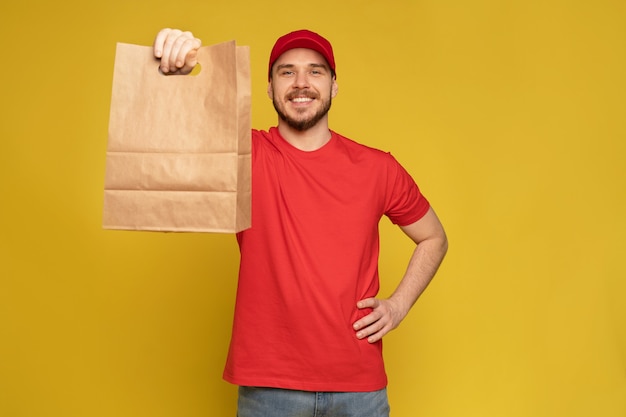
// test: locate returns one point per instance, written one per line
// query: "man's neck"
(308, 140)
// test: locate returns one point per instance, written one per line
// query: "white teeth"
(301, 99)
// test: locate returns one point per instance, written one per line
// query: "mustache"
(302, 93)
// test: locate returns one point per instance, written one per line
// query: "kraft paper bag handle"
(178, 154)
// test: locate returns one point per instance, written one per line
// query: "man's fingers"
(374, 332)
(375, 324)
(368, 303)
(177, 50)
(364, 324)
(184, 49)
(159, 42)
(366, 321)
(168, 43)
(190, 62)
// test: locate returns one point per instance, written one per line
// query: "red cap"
(302, 39)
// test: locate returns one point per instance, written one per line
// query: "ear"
(334, 89)
(270, 90)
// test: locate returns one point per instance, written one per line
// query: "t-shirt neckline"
(302, 153)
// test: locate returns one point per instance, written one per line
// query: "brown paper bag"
(179, 154)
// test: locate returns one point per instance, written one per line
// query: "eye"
(317, 70)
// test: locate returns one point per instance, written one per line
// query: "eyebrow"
(311, 65)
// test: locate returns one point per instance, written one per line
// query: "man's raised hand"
(177, 50)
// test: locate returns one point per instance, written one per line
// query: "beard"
(302, 124)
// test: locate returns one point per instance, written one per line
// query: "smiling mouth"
(301, 99)
(301, 96)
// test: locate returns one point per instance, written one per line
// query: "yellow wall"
(511, 116)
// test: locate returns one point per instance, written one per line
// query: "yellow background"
(509, 114)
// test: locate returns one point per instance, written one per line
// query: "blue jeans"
(274, 402)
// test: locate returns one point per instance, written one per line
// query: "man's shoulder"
(259, 133)
(353, 146)
(262, 137)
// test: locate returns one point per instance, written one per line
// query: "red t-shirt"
(310, 255)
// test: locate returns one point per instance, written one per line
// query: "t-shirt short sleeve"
(405, 203)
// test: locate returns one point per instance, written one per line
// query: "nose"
(301, 80)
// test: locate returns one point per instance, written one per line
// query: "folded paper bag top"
(179, 154)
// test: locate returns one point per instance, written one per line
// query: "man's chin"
(302, 122)
(300, 125)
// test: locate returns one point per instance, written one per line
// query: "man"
(308, 326)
